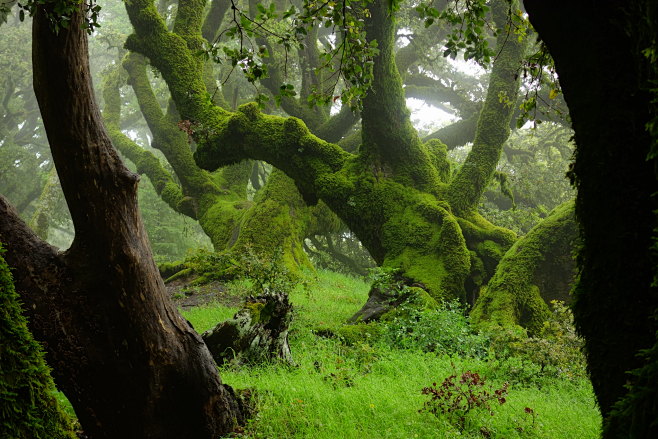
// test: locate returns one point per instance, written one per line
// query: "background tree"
(388, 193)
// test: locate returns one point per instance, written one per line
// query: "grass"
(370, 390)
(206, 316)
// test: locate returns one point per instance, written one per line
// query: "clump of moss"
(28, 408)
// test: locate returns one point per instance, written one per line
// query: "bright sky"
(427, 118)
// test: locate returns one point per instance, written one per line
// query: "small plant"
(556, 352)
(529, 424)
(456, 397)
(444, 330)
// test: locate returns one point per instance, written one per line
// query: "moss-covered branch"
(146, 163)
(456, 134)
(434, 92)
(493, 124)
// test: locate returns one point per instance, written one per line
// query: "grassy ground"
(371, 390)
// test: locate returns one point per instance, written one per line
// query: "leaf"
(553, 94)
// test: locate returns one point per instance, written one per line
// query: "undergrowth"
(367, 380)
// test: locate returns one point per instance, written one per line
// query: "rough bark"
(614, 296)
(129, 363)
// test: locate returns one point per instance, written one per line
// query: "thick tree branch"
(494, 121)
(146, 162)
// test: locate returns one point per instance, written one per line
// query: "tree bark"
(596, 54)
(130, 364)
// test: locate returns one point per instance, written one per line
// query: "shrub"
(457, 398)
(445, 330)
(556, 352)
(266, 273)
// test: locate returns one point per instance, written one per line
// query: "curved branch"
(146, 162)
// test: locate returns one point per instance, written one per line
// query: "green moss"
(359, 333)
(513, 295)
(439, 153)
(493, 128)
(277, 222)
(258, 312)
(28, 408)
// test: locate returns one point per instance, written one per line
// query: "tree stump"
(257, 333)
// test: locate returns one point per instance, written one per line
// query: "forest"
(328, 219)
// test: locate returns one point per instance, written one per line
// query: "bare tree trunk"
(130, 364)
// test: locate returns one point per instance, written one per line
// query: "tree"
(396, 194)
(537, 269)
(605, 57)
(129, 363)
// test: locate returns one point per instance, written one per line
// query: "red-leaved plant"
(456, 398)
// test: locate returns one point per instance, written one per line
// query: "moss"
(439, 153)
(277, 222)
(359, 333)
(182, 274)
(28, 408)
(168, 269)
(518, 294)
(493, 128)
(257, 311)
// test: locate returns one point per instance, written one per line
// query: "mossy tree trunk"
(27, 404)
(396, 194)
(537, 269)
(129, 363)
(615, 296)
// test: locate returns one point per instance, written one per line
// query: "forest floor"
(370, 384)
(186, 295)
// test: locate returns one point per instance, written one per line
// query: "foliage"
(266, 273)
(457, 398)
(556, 352)
(468, 28)
(535, 165)
(445, 330)
(350, 59)
(382, 398)
(28, 408)
(60, 12)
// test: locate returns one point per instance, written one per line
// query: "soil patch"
(186, 294)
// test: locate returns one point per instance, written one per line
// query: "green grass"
(373, 391)
(206, 316)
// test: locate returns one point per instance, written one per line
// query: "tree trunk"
(596, 51)
(537, 269)
(130, 364)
